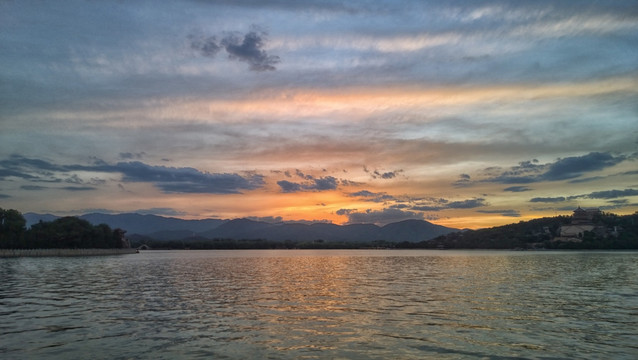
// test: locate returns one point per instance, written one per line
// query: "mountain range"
(170, 228)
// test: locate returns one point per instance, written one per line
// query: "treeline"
(200, 243)
(541, 233)
(64, 233)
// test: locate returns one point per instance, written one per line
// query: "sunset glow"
(463, 114)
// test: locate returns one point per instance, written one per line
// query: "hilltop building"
(582, 221)
(584, 216)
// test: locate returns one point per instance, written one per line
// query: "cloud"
(249, 49)
(312, 184)
(379, 217)
(588, 179)
(517, 188)
(605, 194)
(325, 183)
(159, 211)
(167, 179)
(371, 196)
(508, 213)
(130, 156)
(573, 167)
(208, 47)
(548, 199)
(186, 180)
(438, 204)
(375, 174)
(78, 188)
(467, 204)
(562, 169)
(611, 194)
(33, 187)
(267, 219)
(288, 186)
(246, 48)
(389, 175)
(462, 181)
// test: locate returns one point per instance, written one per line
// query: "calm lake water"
(350, 304)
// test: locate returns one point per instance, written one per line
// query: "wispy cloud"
(604, 194)
(508, 212)
(548, 199)
(517, 188)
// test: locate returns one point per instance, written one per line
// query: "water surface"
(370, 304)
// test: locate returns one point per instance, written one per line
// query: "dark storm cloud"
(246, 48)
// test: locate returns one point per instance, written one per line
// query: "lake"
(336, 304)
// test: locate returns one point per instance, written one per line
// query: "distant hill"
(168, 228)
(136, 223)
(409, 230)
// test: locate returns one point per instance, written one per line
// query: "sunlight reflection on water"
(321, 304)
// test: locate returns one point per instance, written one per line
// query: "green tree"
(12, 228)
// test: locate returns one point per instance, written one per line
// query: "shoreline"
(63, 252)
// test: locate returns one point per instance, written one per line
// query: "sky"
(467, 114)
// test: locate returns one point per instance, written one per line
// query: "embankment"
(63, 252)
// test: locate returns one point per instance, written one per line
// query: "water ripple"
(321, 304)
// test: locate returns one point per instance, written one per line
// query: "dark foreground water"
(321, 304)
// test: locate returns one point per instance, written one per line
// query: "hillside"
(612, 232)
